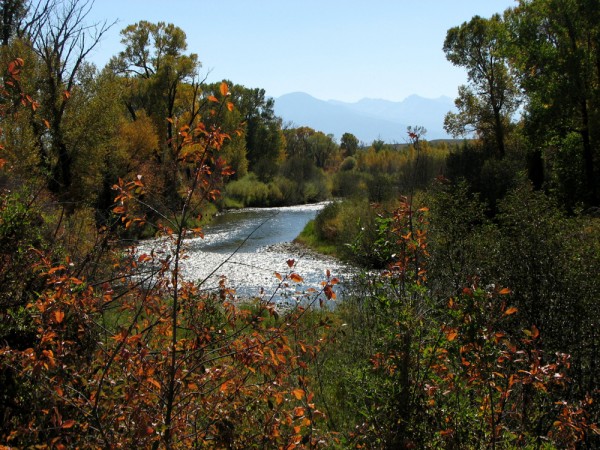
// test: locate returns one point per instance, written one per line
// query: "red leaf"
(290, 263)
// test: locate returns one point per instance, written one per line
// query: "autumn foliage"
(473, 324)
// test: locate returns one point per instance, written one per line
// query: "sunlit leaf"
(298, 393)
(224, 89)
(59, 316)
(451, 333)
(296, 278)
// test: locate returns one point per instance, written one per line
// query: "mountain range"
(367, 119)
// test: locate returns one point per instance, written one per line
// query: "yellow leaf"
(298, 393)
(224, 89)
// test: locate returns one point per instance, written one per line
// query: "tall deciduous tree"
(487, 103)
(156, 65)
(265, 142)
(556, 51)
(62, 38)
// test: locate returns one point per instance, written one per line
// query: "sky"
(331, 49)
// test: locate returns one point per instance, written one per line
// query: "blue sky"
(331, 49)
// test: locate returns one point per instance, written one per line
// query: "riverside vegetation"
(474, 324)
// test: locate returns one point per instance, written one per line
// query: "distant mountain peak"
(368, 119)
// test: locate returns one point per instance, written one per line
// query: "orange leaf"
(298, 393)
(224, 89)
(329, 292)
(510, 311)
(451, 334)
(504, 291)
(230, 106)
(212, 98)
(59, 316)
(68, 423)
(296, 278)
(278, 276)
(153, 382)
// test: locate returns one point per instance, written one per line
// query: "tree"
(61, 39)
(12, 13)
(265, 142)
(349, 144)
(156, 65)
(487, 103)
(555, 47)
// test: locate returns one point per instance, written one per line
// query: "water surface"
(249, 246)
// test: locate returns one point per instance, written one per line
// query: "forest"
(473, 322)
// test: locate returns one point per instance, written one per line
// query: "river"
(249, 246)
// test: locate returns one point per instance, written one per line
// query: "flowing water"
(249, 246)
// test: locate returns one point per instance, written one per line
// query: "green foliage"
(424, 356)
(488, 102)
(250, 191)
(554, 49)
(348, 144)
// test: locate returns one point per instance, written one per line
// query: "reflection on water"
(249, 246)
